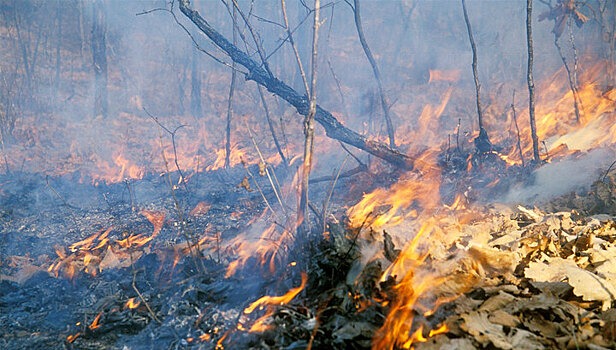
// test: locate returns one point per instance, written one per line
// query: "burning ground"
(142, 227)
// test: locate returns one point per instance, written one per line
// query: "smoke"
(568, 175)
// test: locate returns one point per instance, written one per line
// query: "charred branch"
(333, 128)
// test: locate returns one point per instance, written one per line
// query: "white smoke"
(555, 179)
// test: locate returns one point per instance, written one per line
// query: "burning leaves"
(522, 292)
(98, 251)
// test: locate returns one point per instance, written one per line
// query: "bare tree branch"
(294, 47)
(332, 126)
(377, 74)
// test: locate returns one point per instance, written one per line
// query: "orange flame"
(415, 189)
(72, 337)
(235, 158)
(280, 300)
(132, 303)
(395, 332)
(452, 75)
(95, 323)
(261, 324)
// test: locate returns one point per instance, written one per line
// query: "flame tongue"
(261, 325)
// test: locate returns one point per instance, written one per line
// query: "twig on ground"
(608, 171)
(185, 231)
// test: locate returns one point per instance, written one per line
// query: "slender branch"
(303, 227)
(377, 74)
(271, 126)
(275, 186)
(230, 99)
(482, 142)
(332, 126)
(259, 47)
(295, 52)
(529, 80)
(192, 38)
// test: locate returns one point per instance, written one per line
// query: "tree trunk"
(99, 59)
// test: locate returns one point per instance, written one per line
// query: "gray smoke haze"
(568, 175)
(150, 61)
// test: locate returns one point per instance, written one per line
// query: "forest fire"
(238, 175)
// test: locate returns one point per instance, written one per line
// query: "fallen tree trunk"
(333, 128)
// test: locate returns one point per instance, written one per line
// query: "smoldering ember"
(327, 174)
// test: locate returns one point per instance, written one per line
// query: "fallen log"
(333, 128)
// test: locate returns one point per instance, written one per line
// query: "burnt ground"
(184, 301)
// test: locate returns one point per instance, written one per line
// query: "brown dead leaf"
(587, 285)
(536, 323)
(535, 214)
(201, 208)
(493, 260)
(245, 184)
(496, 302)
(478, 324)
(391, 253)
(504, 318)
(110, 261)
(23, 274)
(558, 289)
